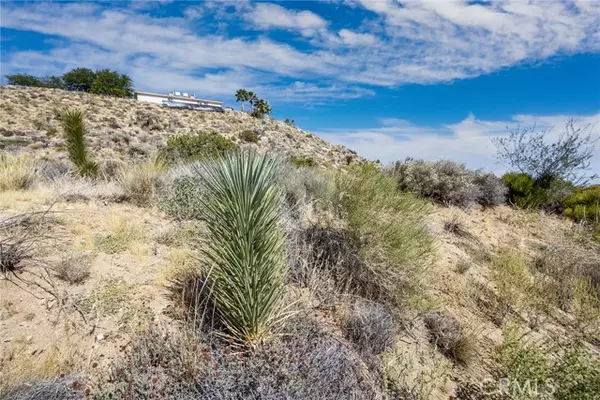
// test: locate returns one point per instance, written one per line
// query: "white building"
(180, 99)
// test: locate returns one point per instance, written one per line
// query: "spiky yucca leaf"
(75, 131)
(241, 208)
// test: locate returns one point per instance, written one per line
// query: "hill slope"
(123, 129)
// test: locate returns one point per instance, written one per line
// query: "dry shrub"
(573, 277)
(303, 363)
(370, 326)
(449, 183)
(70, 387)
(73, 189)
(17, 172)
(448, 335)
(74, 268)
(141, 182)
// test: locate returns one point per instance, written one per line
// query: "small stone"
(99, 337)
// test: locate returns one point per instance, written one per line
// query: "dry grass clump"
(74, 268)
(17, 171)
(108, 298)
(142, 182)
(70, 387)
(448, 336)
(304, 363)
(117, 241)
(73, 189)
(370, 326)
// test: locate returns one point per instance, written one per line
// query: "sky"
(390, 79)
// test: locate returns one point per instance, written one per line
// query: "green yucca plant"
(241, 208)
(75, 131)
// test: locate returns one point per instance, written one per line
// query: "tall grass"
(16, 171)
(245, 244)
(389, 228)
(75, 131)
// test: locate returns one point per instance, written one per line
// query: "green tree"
(79, 79)
(75, 131)
(112, 83)
(55, 82)
(242, 95)
(261, 108)
(24, 80)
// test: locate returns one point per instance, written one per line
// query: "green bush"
(526, 192)
(245, 243)
(566, 369)
(302, 161)
(389, 228)
(75, 132)
(182, 199)
(79, 79)
(583, 204)
(249, 136)
(196, 147)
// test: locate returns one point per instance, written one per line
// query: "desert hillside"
(126, 129)
(112, 284)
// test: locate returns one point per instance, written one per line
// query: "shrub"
(566, 159)
(141, 182)
(302, 161)
(24, 80)
(245, 242)
(17, 172)
(565, 368)
(526, 192)
(448, 336)
(249, 136)
(182, 199)
(307, 185)
(448, 183)
(389, 230)
(304, 363)
(370, 326)
(75, 132)
(583, 204)
(197, 147)
(66, 388)
(74, 268)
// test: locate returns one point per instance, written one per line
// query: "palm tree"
(261, 108)
(252, 99)
(242, 95)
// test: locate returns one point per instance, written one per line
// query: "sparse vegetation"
(302, 161)
(75, 133)
(142, 182)
(17, 171)
(196, 147)
(249, 136)
(182, 198)
(74, 268)
(448, 335)
(370, 326)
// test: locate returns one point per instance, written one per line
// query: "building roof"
(175, 97)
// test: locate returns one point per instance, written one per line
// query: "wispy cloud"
(389, 43)
(468, 141)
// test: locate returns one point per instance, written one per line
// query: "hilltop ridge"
(127, 129)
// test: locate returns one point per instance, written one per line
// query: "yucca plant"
(245, 245)
(75, 131)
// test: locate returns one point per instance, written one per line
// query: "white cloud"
(423, 42)
(268, 15)
(468, 141)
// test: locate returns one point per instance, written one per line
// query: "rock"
(99, 337)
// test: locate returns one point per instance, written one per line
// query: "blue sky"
(390, 79)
